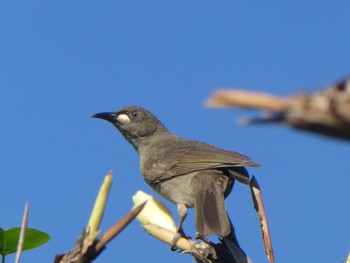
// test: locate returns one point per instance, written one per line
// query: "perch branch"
(157, 221)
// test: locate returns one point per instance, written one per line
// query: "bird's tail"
(211, 216)
(212, 219)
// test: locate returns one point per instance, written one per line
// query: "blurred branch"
(246, 99)
(325, 112)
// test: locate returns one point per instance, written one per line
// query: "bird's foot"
(202, 251)
(206, 246)
(176, 238)
(174, 241)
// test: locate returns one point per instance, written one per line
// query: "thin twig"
(118, 227)
(259, 207)
(23, 233)
(88, 246)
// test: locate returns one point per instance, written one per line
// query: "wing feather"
(191, 156)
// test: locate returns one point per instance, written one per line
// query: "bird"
(188, 173)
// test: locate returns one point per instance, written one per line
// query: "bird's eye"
(135, 114)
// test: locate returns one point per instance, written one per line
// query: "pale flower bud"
(154, 212)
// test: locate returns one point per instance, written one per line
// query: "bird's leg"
(182, 210)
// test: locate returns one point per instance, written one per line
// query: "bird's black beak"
(108, 116)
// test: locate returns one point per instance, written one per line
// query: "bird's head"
(137, 124)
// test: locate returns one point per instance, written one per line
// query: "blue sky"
(62, 61)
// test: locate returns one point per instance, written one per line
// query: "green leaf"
(9, 239)
(2, 241)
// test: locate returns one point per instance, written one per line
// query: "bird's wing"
(160, 161)
(203, 156)
(191, 156)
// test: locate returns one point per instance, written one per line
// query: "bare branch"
(325, 112)
(259, 207)
(23, 233)
(88, 246)
(118, 227)
(246, 99)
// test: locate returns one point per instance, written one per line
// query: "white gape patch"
(123, 118)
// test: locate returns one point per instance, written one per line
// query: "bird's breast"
(177, 190)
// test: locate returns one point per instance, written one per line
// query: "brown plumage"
(188, 173)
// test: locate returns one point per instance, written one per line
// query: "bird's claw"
(174, 241)
(176, 238)
(202, 251)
